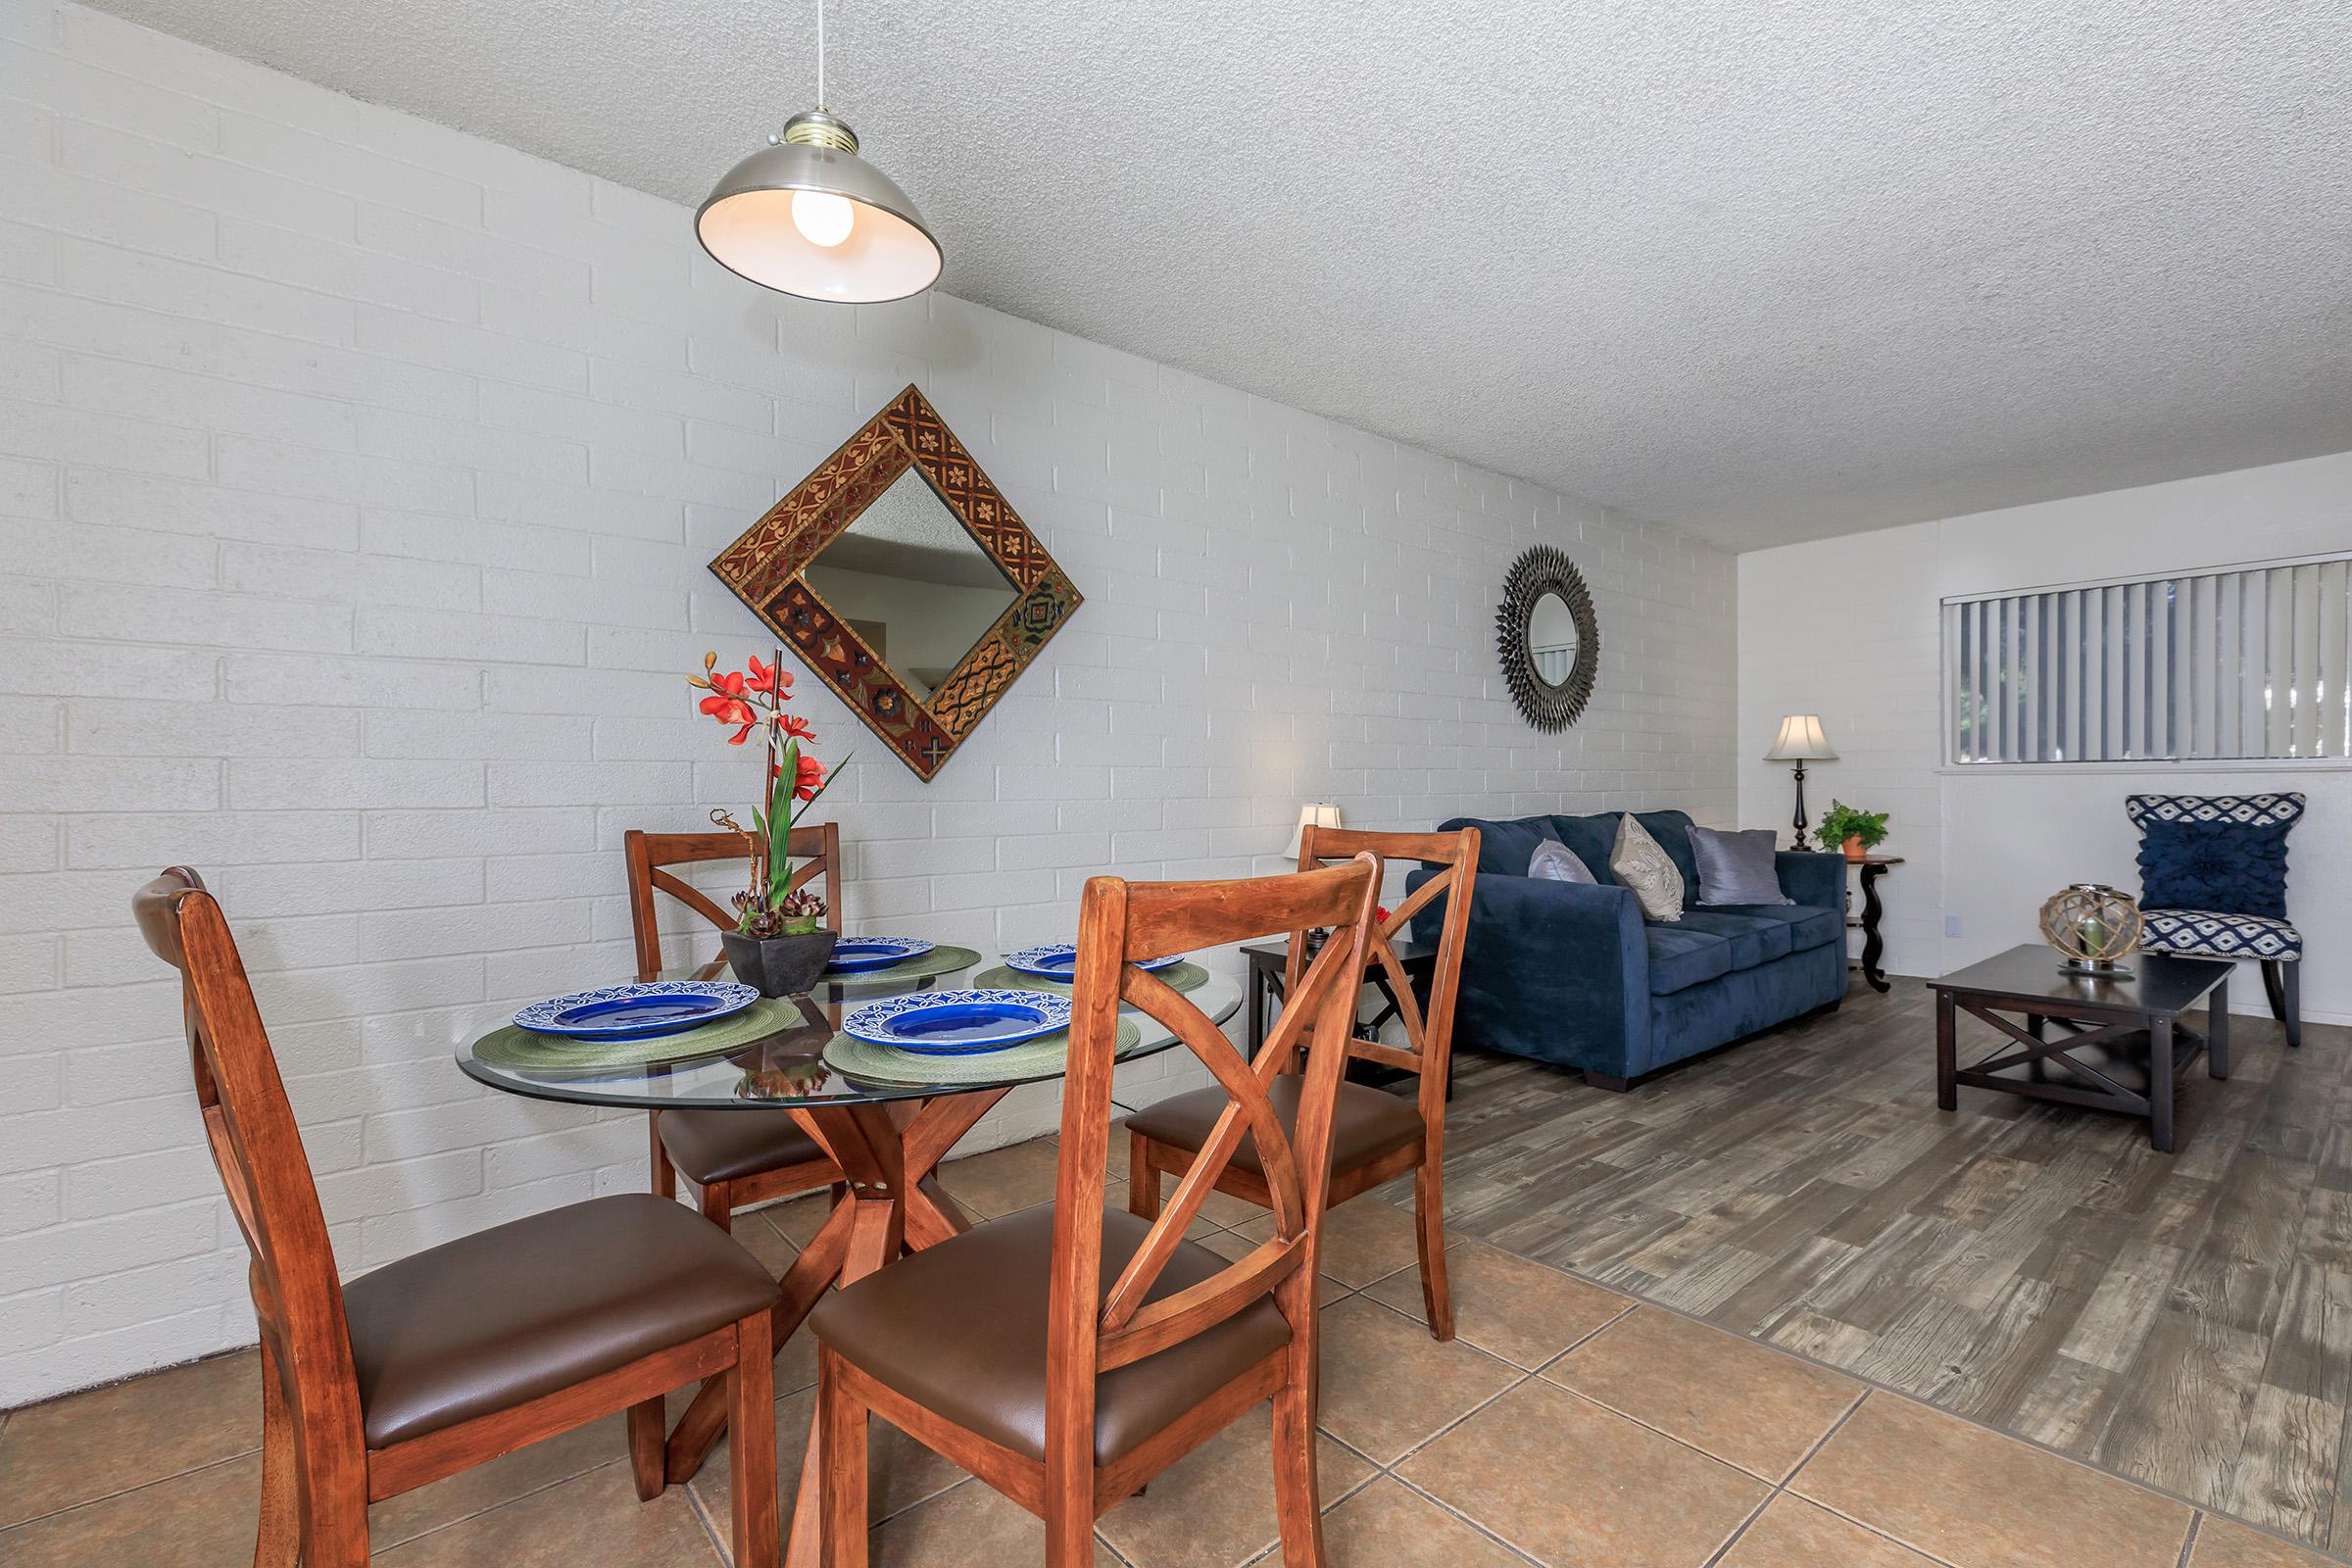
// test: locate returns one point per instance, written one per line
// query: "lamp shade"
(1801, 740)
(807, 216)
(1315, 813)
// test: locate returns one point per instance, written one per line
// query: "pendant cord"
(820, 54)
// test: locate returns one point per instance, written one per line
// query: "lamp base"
(1797, 842)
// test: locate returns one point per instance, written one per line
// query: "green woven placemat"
(512, 1047)
(1049, 1054)
(1185, 976)
(942, 959)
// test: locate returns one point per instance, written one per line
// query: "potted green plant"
(1857, 830)
(778, 945)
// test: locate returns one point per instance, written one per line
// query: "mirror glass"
(1551, 639)
(913, 582)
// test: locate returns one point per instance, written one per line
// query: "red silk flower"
(769, 678)
(809, 778)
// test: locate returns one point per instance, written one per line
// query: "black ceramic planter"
(779, 967)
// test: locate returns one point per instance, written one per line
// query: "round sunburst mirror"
(1548, 638)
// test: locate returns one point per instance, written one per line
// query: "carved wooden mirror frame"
(767, 569)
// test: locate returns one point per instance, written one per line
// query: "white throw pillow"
(1639, 862)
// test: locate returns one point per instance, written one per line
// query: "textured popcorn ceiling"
(1766, 268)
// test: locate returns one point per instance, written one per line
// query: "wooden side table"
(1873, 866)
(1269, 959)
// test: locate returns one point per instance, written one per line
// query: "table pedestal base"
(892, 1203)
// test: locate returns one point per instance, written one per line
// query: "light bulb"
(822, 217)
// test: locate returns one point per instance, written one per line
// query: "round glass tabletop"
(786, 1066)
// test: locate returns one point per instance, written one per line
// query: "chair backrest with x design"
(1122, 924)
(1428, 1036)
(297, 1292)
(816, 852)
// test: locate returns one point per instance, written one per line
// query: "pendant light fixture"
(807, 216)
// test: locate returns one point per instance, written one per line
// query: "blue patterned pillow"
(2230, 867)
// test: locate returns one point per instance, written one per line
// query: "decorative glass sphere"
(2091, 924)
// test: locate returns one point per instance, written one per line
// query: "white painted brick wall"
(356, 481)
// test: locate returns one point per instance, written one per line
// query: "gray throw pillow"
(1641, 862)
(1555, 862)
(1736, 867)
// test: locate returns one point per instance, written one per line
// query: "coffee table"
(2134, 1024)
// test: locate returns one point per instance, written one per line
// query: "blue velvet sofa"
(1572, 974)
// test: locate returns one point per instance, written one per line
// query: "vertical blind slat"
(2254, 663)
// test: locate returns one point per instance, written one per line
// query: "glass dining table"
(887, 1134)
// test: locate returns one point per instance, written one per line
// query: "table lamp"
(1801, 741)
(1315, 813)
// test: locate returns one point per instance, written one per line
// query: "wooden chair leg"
(1143, 1182)
(1429, 1220)
(841, 1455)
(2291, 984)
(752, 1443)
(649, 1430)
(279, 1543)
(665, 1180)
(334, 1511)
(2274, 988)
(1297, 1498)
(1069, 1530)
(718, 1205)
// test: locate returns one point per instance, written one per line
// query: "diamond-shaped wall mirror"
(898, 573)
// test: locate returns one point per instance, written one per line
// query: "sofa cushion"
(1680, 956)
(1809, 927)
(1754, 941)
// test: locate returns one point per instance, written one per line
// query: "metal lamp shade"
(747, 226)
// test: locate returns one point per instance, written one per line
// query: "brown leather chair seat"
(507, 1315)
(960, 1329)
(719, 1146)
(1366, 1122)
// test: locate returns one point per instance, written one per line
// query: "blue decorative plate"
(958, 1023)
(636, 1013)
(851, 954)
(1059, 961)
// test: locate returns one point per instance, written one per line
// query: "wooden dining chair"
(1067, 1353)
(732, 1160)
(464, 1351)
(1376, 1135)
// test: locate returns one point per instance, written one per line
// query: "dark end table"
(1874, 946)
(2133, 1023)
(1268, 960)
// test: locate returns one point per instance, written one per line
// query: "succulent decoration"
(753, 699)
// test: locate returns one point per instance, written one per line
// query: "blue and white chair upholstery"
(2270, 941)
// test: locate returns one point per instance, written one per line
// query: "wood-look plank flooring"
(2184, 1319)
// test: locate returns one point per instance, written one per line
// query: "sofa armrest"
(1813, 878)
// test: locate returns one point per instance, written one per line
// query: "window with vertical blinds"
(2250, 662)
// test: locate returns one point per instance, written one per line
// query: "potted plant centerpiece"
(779, 945)
(1859, 831)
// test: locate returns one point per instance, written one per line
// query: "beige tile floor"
(1567, 1426)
